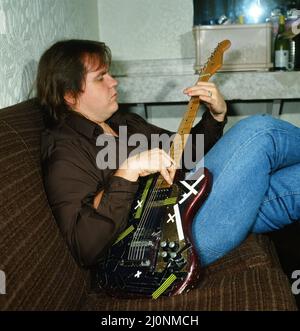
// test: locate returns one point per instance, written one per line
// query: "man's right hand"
(146, 163)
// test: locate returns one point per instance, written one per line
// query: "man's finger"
(166, 176)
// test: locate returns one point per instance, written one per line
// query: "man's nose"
(112, 81)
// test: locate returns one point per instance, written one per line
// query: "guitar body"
(153, 249)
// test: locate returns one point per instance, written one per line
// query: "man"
(79, 97)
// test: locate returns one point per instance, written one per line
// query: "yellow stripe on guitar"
(143, 198)
(124, 234)
(167, 283)
(166, 202)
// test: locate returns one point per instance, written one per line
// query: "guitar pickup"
(141, 244)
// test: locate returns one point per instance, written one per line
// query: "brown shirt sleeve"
(211, 128)
(88, 232)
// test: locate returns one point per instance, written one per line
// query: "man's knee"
(263, 121)
(256, 124)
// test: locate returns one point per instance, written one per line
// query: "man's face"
(98, 101)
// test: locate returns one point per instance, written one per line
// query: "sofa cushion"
(26, 119)
(248, 278)
(40, 272)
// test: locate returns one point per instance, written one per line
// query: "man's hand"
(146, 163)
(209, 93)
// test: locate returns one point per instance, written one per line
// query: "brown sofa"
(42, 275)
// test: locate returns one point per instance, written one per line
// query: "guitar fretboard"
(181, 137)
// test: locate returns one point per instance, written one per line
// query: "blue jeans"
(256, 185)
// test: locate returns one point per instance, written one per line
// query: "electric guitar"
(155, 254)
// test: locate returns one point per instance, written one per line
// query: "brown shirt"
(72, 180)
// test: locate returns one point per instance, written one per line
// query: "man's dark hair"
(62, 69)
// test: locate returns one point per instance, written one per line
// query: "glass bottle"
(281, 47)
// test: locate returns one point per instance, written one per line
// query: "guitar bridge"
(142, 253)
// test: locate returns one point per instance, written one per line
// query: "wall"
(162, 29)
(147, 29)
(27, 28)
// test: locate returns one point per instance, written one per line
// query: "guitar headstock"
(215, 61)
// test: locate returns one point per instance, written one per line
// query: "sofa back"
(36, 268)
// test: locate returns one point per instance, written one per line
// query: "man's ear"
(70, 98)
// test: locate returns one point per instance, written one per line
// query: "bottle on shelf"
(241, 19)
(274, 20)
(281, 47)
(292, 32)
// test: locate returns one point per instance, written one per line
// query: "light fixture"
(255, 11)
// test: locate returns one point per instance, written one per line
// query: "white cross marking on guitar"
(138, 274)
(171, 218)
(191, 188)
(139, 204)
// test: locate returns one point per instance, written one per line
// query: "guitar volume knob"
(165, 256)
(173, 245)
(163, 244)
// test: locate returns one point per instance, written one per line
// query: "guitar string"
(140, 250)
(148, 219)
(147, 210)
(146, 215)
(137, 234)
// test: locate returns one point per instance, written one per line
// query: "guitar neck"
(184, 130)
(186, 124)
(181, 137)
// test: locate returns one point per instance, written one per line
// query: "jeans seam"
(281, 196)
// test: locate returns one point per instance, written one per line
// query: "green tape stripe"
(143, 198)
(168, 282)
(124, 234)
(166, 202)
